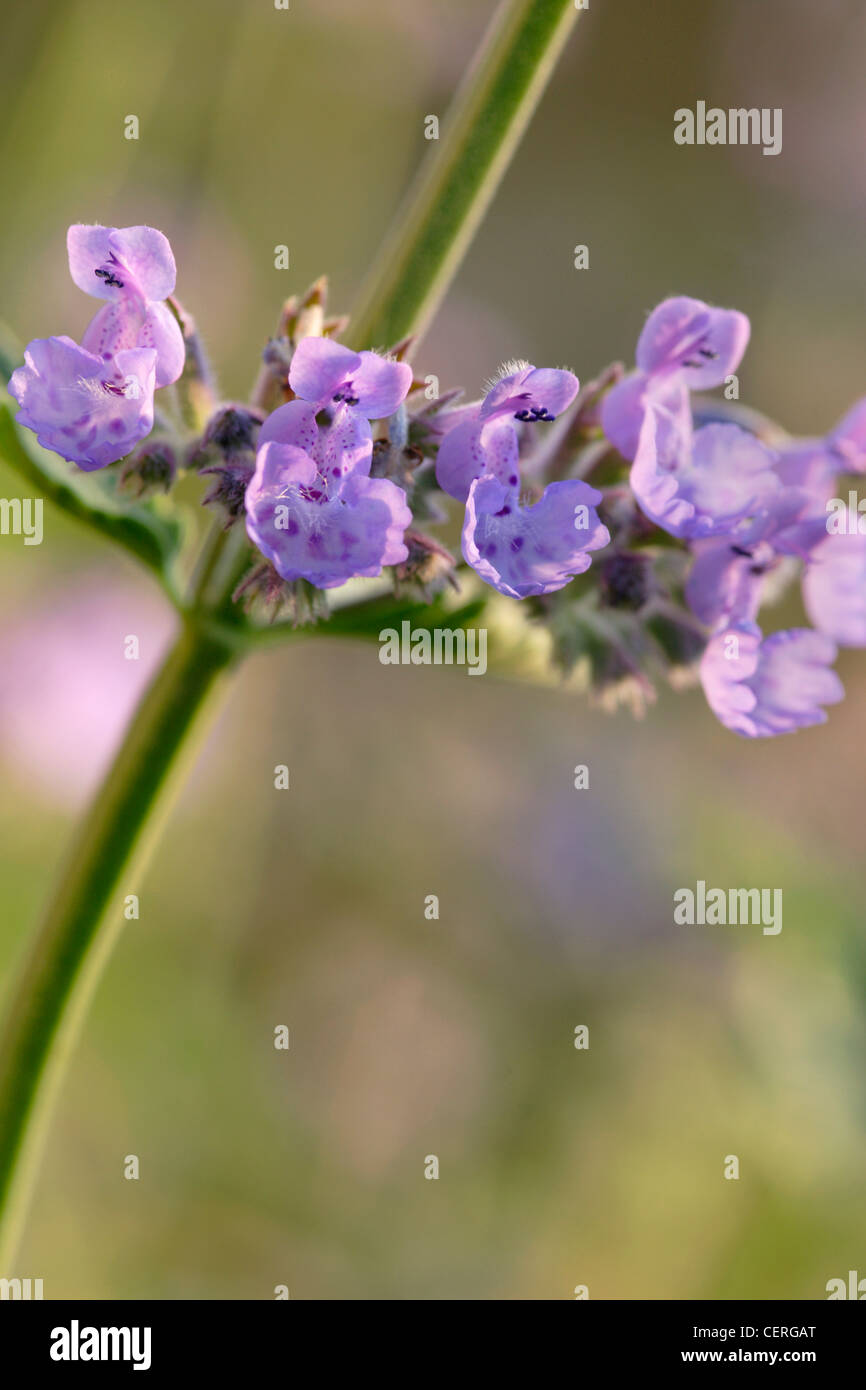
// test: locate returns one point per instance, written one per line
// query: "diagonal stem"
(69, 952)
(490, 112)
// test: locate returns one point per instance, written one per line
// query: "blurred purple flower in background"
(67, 690)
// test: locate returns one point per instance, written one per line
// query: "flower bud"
(428, 564)
(626, 580)
(395, 462)
(229, 490)
(152, 465)
(681, 640)
(233, 430)
(306, 603)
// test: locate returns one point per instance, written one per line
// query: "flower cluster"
(750, 515)
(312, 508)
(92, 401)
(519, 550)
(341, 459)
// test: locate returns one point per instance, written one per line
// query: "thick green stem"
(68, 954)
(480, 133)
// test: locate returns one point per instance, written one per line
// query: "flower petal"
(664, 447)
(127, 322)
(319, 369)
(140, 258)
(522, 551)
(87, 410)
(380, 385)
(324, 540)
(161, 331)
(476, 448)
(722, 583)
(294, 423)
(345, 447)
(762, 688)
(848, 439)
(542, 391)
(724, 478)
(622, 413)
(834, 586)
(685, 335)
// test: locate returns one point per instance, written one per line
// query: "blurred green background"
(455, 1037)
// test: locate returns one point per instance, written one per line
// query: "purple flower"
(488, 441)
(520, 551)
(529, 393)
(88, 410)
(326, 373)
(703, 483)
(810, 466)
(523, 551)
(312, 508)
(133, 269)
(834, 585)
(759, 688)
(66, 692)
(729, 572)
(473, 449)
(848, 439)
(815, 463)
(685, 346)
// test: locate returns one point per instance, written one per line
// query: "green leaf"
(147, 529)
(367, 618)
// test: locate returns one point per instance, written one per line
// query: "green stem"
(490, 112)
(70, 950)
(66, 960)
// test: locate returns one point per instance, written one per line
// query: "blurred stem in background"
(416, 265)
